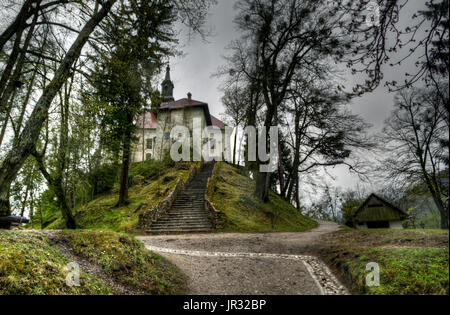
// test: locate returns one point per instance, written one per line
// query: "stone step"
(184, 221)
(188, 207)
(180, 227)
(185, 214)
(177, 231)
(190, 202)
(186, 211)
(186, 217)
(194, 202)
(188, 214)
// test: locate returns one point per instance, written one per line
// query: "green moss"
(403, 271)
(232, 193)
(126, 259)
(29, 265)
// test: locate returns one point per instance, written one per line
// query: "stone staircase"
(188, 214)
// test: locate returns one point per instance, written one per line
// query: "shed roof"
(387, 212)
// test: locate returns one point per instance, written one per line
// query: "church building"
(153, 130)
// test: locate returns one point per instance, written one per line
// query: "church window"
(149, 144)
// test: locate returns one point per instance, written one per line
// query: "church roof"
(147, 121)
(184, 102)
(218, 123)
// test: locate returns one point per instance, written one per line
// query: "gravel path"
(244, 264)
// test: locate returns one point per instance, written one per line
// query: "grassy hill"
(31, 264)
(151, 183)
(412, 262)
(232, 193)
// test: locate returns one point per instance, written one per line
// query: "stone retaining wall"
(216, 216)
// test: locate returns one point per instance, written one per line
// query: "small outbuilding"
(378, 213)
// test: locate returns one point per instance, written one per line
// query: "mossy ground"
(149, 188)
(125, 259)
(29, 265)
(412, 262)
(232, 193)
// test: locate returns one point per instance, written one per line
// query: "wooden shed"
(377, 213)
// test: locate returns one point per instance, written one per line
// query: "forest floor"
(250, 263)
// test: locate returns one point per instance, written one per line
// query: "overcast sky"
(193, 73)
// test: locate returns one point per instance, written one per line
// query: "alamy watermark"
(373, 277)
(212, 143)
(73, 276)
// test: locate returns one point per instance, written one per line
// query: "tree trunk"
(444, 219)
(235, 145)
(5, 123)
(24, 13)
(6, 73)
(123, 193)
(263, 179)
(56, 185)
(15, 78)
(24, 204)
(64, 205)
(30, 134)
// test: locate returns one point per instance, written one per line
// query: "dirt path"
(237, 263)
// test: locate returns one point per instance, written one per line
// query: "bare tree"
(235, 101)
(413, 138)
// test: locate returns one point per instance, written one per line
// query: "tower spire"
(168, 73)
(167, 87)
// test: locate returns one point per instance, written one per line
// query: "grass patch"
(389, 237)
(403, 271)
(232, 193)
(149, 188)
(126, 260)
(30, 266)
(412, 262)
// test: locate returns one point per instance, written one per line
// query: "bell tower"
(167, 88)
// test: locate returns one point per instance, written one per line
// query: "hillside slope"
(145, 192)
(111, 263)
(232, 193)
(412, 262)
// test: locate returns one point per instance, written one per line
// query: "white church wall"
(140, 150)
